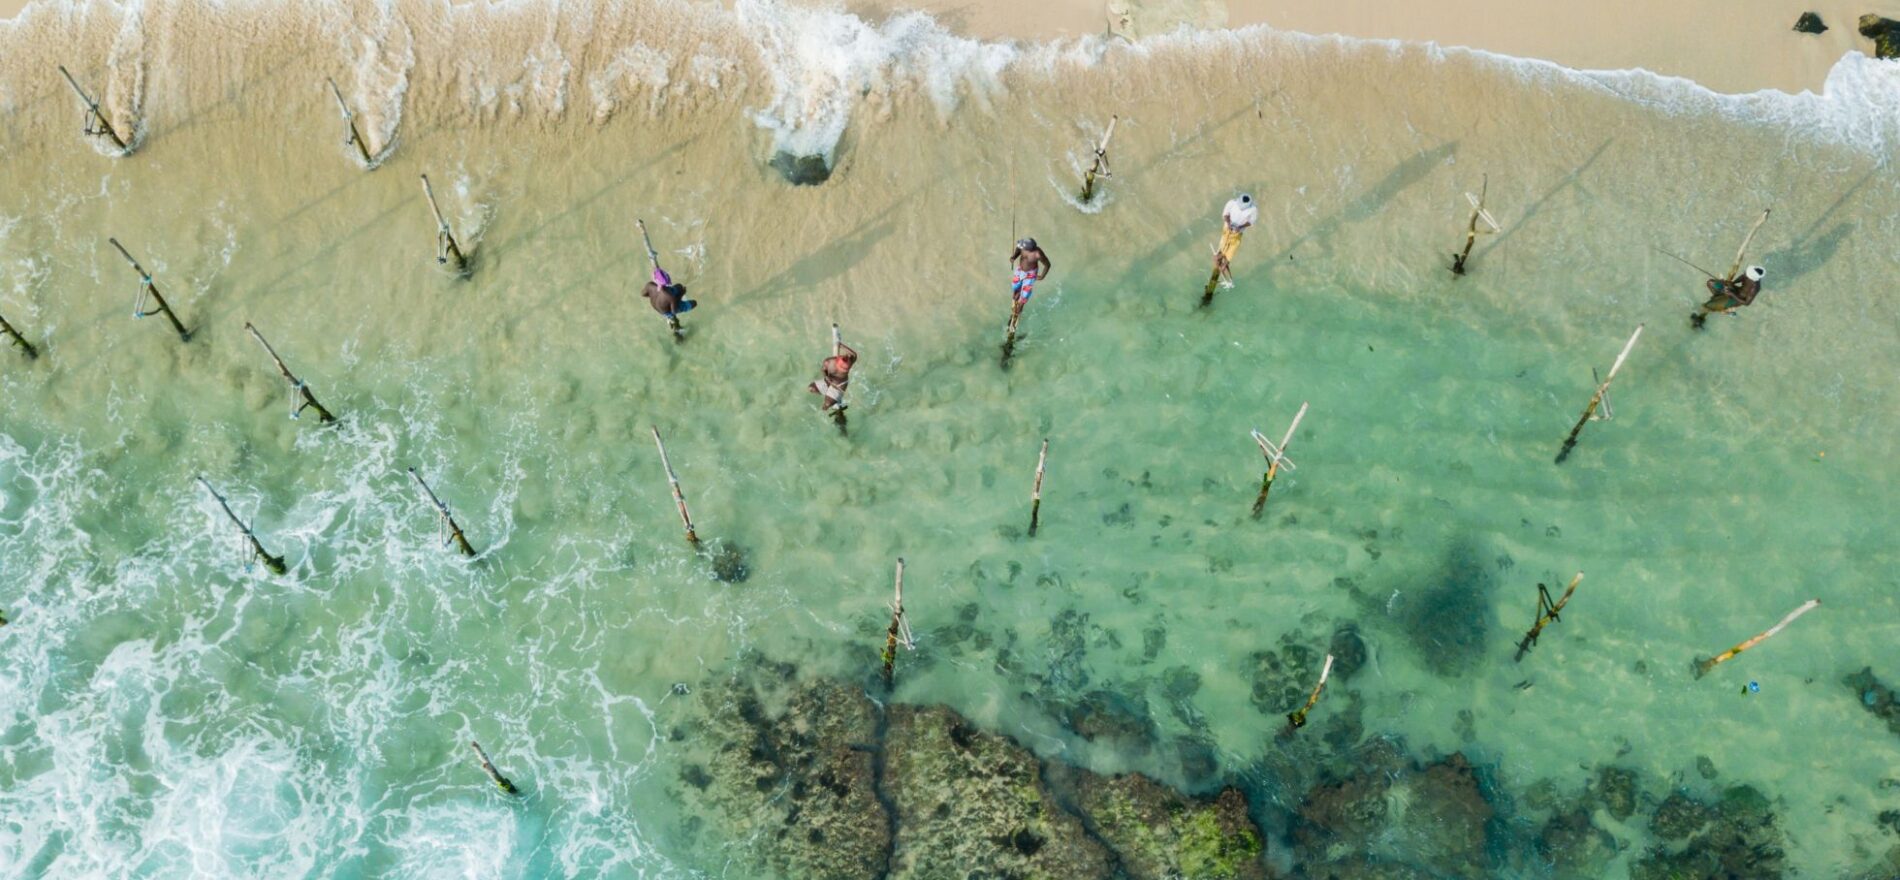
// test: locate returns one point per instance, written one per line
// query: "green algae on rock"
(1159, 833)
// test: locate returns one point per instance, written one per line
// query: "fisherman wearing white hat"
(1725, 296)
(1240, 213)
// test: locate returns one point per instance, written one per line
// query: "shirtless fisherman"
(834, 376)
(1028, 265)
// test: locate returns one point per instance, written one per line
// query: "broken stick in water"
(1297, 719)
(1471, 229)
(94, 114)
(18, 341)
(301, 398)
(445, 247)
(1596, 399)
(679, 498)
(900, 628)
(494, 775)
(148, 289)
(453, 532)
(257, 551)
(355, 137)
(1276, 457)
(1547, 612)
(1703, 666)
(1035, 497)
(1100, 168)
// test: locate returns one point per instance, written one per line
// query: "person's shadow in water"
(1813, 248)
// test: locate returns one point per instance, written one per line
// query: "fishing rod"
(1711, 275)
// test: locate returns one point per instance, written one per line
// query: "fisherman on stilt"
(1028, 265)
(1239, 214)
(834, 377)
(668, 298)
(1726, 296)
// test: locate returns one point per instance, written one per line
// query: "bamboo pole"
(297, 386)
(1471, 229)
(1703, 665)
(274, 563)
(1035, 497)
(1596, 399)
(18, 341)
(1276, 456)
(96, 115)
(1547, 612)
(653, 260)
(349, 122)
(448, 519)
(1743, 250)
(1297, 719)
(1101, 162)
(679, 498)
(494, 775)
(146, 289)
(900, 628)
(445, 246)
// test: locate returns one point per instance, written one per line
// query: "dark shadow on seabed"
(1569, 180)
(1808, 252)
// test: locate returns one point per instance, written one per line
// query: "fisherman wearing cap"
(1029, 265)
(1726, 296)
(1240, 213)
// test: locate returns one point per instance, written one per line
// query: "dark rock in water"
(1810, 23)
(806, 170)
(1199, 761)
(1282, 678)
(1433, 818)
(1742, 841)
(1575, 846)
(792, 783)
(1449, 622)
(1117, 720)
(1348, 650)
(728, 562)
(1704, 767)
(1679, 816)
(1890, 820)
(973, 804)
(1875, 697)
(1160, 834)
(1180, 683)
(1363, 868)
(1885, 32)
(1615, 789)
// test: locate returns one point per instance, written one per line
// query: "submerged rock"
(1114, 719)
(1810, 23)
(1679, 816)
(970, 803)
(1615, 790)
(1348, 650)
(1885, 32)
(1381, 822)
(729, 563)
(1449, 622)
(1875, 697)
(1743, 840)
(1160, 834)
(1574, 845)
(802, 170)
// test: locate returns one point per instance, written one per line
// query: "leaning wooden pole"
(305, 399)
(1276, 456)
(448, 519)
(1035, 496)
(274, 563)
(1471, 229)
(1741, 252)
(445, 247)
(1547, 612)
(1297, 719)
(147, 288)
(94, 114)
(1100, 168)
(494, 775)
(1703, 666)
(349, 123)
(18, 341)
(679, 498)
(900, 629)
(1596, 399)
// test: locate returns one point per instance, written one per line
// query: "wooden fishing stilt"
(1035, 497)
(1276, 457)
(147, 288)
(1009, 332)
(1596, 399)
(899, 631)
(355, 137)
(445, 247)
(1740, 252)
(1471, 229)
(1100, 168)
(653, 260)
(1547, 612)
(1705, 664)
(448, 519)
(305, 399)
(94, 114)
(18, 341)
(274, 563)
(494, 775)
(1297, 720)
(679, 498)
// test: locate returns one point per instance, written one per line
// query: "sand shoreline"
(1708, 41)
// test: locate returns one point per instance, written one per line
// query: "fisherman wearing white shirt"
(1240, 213)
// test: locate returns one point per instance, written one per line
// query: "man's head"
(1026, 244)
(1755, 273)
